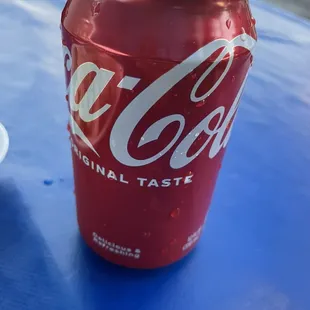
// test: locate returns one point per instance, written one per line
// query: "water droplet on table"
(48, 182)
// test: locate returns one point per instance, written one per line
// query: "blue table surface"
(255, 250)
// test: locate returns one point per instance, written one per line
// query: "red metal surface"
(153, 89)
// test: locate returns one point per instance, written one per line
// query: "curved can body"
(153, 87)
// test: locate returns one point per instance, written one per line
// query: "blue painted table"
(255, 251)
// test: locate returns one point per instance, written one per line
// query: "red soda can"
(153, 87)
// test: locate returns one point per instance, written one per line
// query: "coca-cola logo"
(4, 142)
(130, 117)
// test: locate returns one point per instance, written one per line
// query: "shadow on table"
(102, 283)
(29, 278)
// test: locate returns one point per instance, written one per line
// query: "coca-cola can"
(153, 87)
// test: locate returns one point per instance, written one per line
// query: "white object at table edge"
(4, 142)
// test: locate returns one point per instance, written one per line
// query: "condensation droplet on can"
(201, 104)
(253, 21)
(228, 23)
(164, 251)
(194, 76)
(175, 213)
(96, 8)
(196, 134)
(233, 78)
(243, 35)
(65, 12)
(147, 234)
(175, 95)
(251, 60)
(173, 241)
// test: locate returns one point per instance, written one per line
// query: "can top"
(172, 30)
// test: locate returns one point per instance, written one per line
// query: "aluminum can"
(153, 87)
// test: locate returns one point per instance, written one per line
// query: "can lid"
(4, 142)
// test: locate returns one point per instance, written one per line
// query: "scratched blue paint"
(255, 250)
